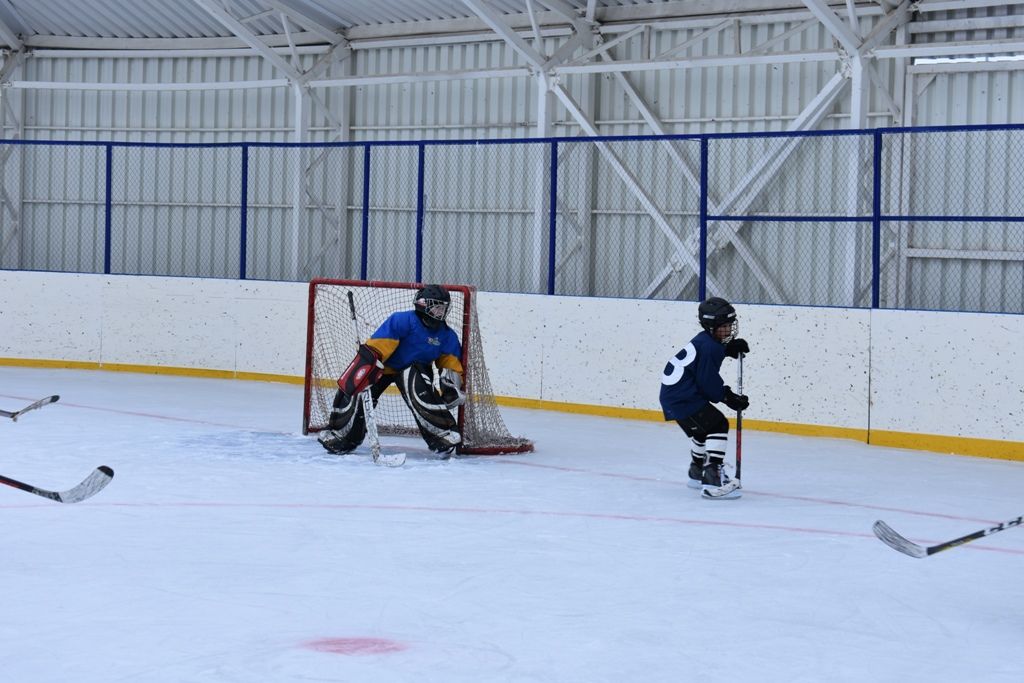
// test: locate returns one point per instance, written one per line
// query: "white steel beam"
(681, 255)
(900, 16)
(570, 14)
(494, 19)
(291, 44)
(566, 49)
(305, 22)
(604, 47)
(249, 38)
(676, 49)
(947, 5)
(339, 53)
(962, 67)
(538, 39)
(658, 127)
(218, 43)
(968, 24)
(213, 85)
(421, 77)
(955, 49)
(9, 37)
(541, 184)
(160, 54)
(839, 29)
(699, 62)
(762, 48)
(757, 178)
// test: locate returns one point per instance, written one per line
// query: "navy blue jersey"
(690, 380)
(403, 339)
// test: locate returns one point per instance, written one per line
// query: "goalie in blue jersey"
(402, 351)
(690, 384)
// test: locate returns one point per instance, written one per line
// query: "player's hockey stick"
(369, 416)
(89, 487)
(734, 485)
(32, 406)
(888, 536)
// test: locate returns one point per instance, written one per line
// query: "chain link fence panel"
(304, 212)
(175, 210)
(487, 215)
(52, 207)
(898, 218)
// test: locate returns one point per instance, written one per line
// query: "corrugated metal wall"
(491, 203)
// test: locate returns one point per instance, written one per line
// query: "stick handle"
(369, 416)
(739, 421)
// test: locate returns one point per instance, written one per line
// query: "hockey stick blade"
(887, 535)
(32, 406)
(729, 491)
(390, 459)
(89, 487)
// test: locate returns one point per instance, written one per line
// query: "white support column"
(300, 134)
(11, 227)
(542, 181)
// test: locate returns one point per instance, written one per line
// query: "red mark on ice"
(355, 646)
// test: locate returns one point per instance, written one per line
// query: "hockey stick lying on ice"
(89, 487)
(32, 406)
(888, 536)
(369, 417)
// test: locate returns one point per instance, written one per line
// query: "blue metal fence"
(929, 218)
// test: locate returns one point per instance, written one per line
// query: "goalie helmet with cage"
(716, 312)
(431, 304)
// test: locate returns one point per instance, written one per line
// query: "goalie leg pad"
(365, 369)
(346, 427)
(437, 426)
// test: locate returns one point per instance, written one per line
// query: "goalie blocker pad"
(365, 369)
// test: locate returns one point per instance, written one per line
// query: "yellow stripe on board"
(152, 370)
(959, 445)
(987, 448)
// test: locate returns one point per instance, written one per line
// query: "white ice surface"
(228, 546)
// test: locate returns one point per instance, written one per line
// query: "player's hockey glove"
(735, 347)
(365, 369)
(735, 401)
(451, 389)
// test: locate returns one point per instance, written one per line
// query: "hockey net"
(332, 337)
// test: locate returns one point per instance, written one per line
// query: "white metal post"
(542, 180)
(298, 171)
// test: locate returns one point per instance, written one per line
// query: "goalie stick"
(724, 492)
(32, 406)
(89, 487)
(887, 535)
(387, 459)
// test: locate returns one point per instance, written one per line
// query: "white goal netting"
(332, 339)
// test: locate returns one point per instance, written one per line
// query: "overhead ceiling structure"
(280, 31)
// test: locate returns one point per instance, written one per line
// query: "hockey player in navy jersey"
(691, 383)
(401, 351)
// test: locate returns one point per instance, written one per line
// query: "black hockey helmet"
(432, 303)
(716, 312)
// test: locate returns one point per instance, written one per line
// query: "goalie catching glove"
(365, 369)
(451, 389)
